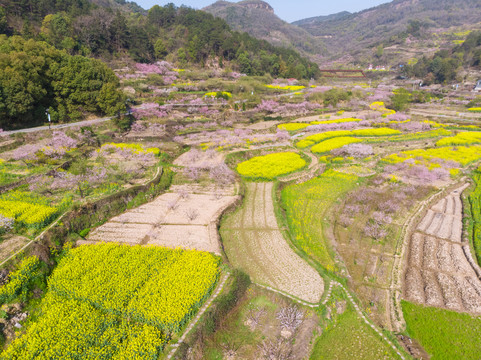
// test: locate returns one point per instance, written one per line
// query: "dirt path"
(306, 174)
(201, 312)
(58, 126)
(254, 243)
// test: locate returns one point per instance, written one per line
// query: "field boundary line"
(39, 237)
(287, 295)
(370, 324)
(201, 312)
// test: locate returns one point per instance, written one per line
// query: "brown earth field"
(439, 270)
(253, 242)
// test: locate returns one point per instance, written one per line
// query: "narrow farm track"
(201, 312)
(440, 271)
(58, 126)
(307, 173)
(254, 243)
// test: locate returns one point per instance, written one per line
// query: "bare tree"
(191, 214)
(255, 314)
(290, 318)
(184, 194)
(276, 350)
(172, 204)
(192, 172)
(222, 174)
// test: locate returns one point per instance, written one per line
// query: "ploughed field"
(173, 220)
(254, 243)
(440, 271)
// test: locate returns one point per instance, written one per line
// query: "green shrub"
(84, 232)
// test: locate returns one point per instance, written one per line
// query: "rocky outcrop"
(257, 4)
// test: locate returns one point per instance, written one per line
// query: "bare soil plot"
(206, 189)
(254, 243)
(196, 158)
(171, 220)
(11, 245)
(263, 125)
(438, 272)
(442, 112)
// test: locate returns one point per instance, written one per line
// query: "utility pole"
(47, 112)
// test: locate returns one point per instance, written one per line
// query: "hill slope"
(356, 34)
(258, 19)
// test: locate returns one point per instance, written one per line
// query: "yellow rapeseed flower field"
(462, 138)
(292, 126)
(134, 148)
(317, 138)
(114, 301)
(463, 155)
(334, 143)
(271, 166)
(289, 87)
(26, 208)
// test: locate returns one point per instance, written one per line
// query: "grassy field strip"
(201, 312)
(364, 318)
(353, 303)
(39, 237)
(328, 294)
(451, 114)
(254, 243)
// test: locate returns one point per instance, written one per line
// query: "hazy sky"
(289, 10)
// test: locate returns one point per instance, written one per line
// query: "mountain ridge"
(258, 19)
(391, 23)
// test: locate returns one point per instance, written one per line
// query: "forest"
(444, 65)
(65, 45)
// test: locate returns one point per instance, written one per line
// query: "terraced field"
(254, 243)
(178, 219)
(440, 271)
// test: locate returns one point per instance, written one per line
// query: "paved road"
(58, 126)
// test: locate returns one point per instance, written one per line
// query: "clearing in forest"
(439, 268)
(254, 243)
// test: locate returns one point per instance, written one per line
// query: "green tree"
(3, 21)
(160, 50)
(182, 56)
(111, 100)
(55, 28)
(244, 63)
(193, 48)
